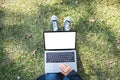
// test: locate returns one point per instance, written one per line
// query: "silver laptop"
(59, 48)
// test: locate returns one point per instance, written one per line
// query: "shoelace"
(67, 25)
(55, 25)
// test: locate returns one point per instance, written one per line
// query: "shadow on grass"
(80, 68)
(1, 24)
(24, 35)
(9, 69)
(29, 28)
(29, 31)
(26, 31)
(7, 66)
(85, 28)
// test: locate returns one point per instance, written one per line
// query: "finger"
(63, 67)
(63, 71)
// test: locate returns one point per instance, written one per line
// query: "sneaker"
(54, 23)
(67, 23)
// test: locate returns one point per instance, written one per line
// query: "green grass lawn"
(22, 23)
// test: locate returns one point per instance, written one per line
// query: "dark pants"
(52, 76)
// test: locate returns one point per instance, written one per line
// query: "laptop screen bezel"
(56, 32)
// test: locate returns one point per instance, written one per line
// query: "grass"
(22, 23)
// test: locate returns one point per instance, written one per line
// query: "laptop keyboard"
(53, 57)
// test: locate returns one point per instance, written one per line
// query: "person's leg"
(54, 23)
(50, 76)
(65, 78)
(42, 77)
(67, 23)
(54, 76)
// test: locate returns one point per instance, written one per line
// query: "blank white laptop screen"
(59, 40)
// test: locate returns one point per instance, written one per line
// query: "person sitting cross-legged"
(67, 73)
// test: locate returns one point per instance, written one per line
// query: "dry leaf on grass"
(118, 41)
(91, 20)
(28, 36)
(34, 52)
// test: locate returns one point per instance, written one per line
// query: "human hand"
(65, 69)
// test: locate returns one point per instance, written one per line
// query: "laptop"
(59, 48)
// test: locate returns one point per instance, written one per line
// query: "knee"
(41, 77)
(52, 76)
